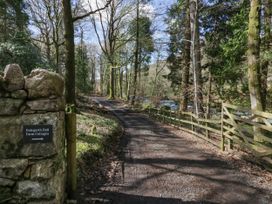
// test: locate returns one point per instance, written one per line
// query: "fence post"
(230, 144)
(192, 126)
(207, 131)
(222, 129)
(179, 117)
(206, 123)
(198, 130)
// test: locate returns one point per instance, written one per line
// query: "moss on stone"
(5, 194)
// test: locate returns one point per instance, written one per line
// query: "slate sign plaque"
(37, 133)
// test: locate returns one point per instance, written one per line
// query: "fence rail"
(236, 128)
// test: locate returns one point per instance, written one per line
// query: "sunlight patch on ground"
(92, 131)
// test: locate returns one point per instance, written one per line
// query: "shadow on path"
(161, 167)
(136, 199)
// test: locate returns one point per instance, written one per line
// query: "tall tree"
(157, 81)
(70, 90)
(111, 34)
(225, 25)
(82, 67)
(136, 56)
(20, 15)
(254, 56)
(15, 42)
(267, 5)
(186, 58)
(175, 21)
(70, 98)
(144, 46)
(46, 17)
(140, 28)
(196, 57)
(254, 77)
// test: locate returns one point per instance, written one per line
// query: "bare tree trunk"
(56, 23)
(116, 82)
(108, 88)
(101, 77)
(154, 91)
(139, 70)
(267, 41)
(187, 59)
(209, 96)
(196, 58)
(129, 86)
(136, 63)
(57, 55)
(93, 74)
(121, 82)
(254, 61)
(70, 99)
(254, 56)
(112, 83)
(48, 48)
(127, 83)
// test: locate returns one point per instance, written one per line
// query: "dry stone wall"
(32, 139)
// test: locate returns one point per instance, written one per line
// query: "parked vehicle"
(244, 114)
(169, 104)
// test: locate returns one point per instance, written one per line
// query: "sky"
(160, 7)
(154, 8)
(160, 35)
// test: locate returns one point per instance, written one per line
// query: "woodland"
(207, 51)
(198, 53)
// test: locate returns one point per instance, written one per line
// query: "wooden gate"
(249, 130)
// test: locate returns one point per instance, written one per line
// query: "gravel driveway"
(162, 165)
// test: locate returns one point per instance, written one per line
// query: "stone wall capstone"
(31, 172)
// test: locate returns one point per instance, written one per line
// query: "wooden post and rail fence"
(234, 128)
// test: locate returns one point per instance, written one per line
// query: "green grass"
(93, 142)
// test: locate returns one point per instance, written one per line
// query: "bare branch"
(92, 12)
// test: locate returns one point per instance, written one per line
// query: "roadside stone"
(19, 94)
(32, 173)
(22, 109)
(44, 202)
(46, 104)
(42, 84)
(12, 168)
(4, 94)
(2, 83)
(53, 97)
(40, 150)
(5, 194)
(9, 106)
(56, 182)
(13, 77)
(6, 182)
(27, 172)
(42, 170)
(26, 110)
(34, 190)
(10, 136)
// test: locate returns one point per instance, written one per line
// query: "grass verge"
(97, 137)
